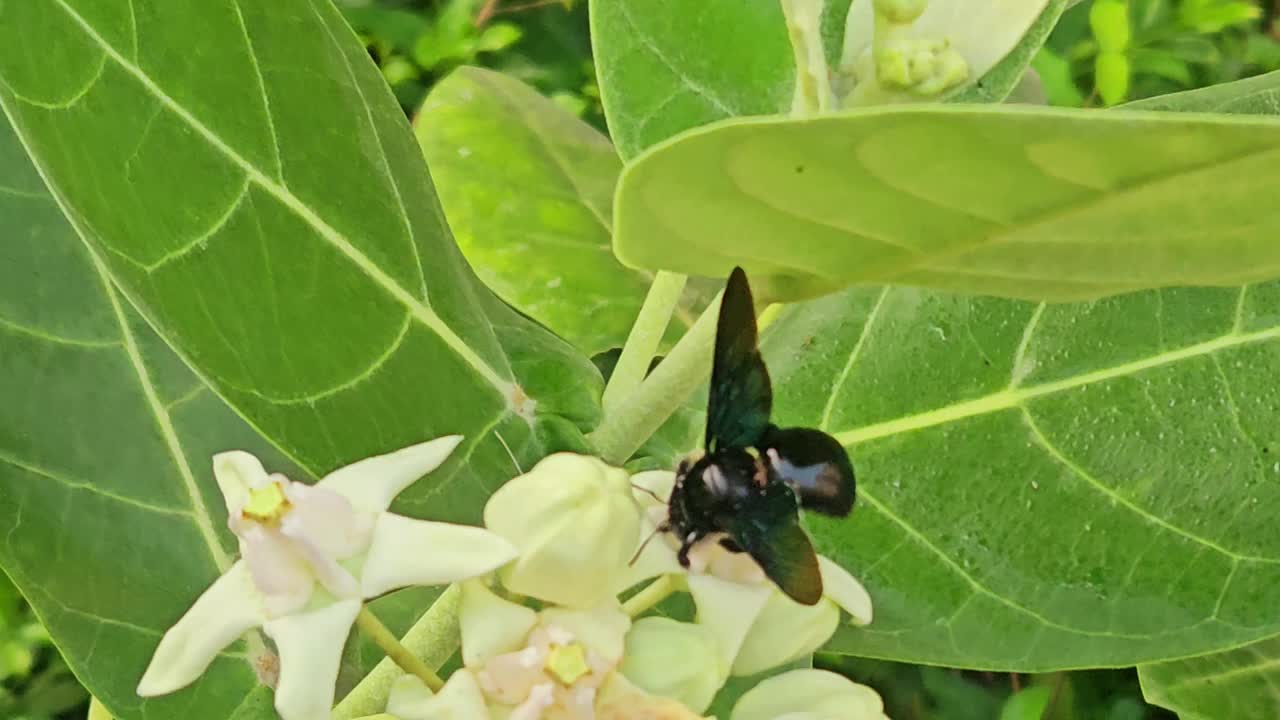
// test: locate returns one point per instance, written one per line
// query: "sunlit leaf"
(1034, 203)
(1242, 684)
(528, 190)
(1045, 487)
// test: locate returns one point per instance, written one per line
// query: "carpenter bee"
(753, 477)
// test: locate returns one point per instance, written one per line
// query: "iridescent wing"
(769, 530)
(816, 467)
(741, 398)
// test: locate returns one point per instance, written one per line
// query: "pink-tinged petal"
(327, 520)
(491, 626)
(282, 576)
(728, 609)
(238, 472)
(228, 608)
(845, 590)
(310, 646)
(371, 484)
(405, 551)
(332, 576)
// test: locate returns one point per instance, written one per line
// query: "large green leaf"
(246, 175)
(1048, 487)
(1242, 684)
(111, 520)
(1252, 96)
(528, 190)
(1034, 203)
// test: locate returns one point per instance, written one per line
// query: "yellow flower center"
(267, 505)
(567, 663)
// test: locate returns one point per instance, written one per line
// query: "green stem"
(370, 625)
(656, 592)
(434, 638)
(667, 388)
(642, 343)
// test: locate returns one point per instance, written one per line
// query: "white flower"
(550, 664)
(574, 522)
(757, 626)
(310, 555)
(809, 695)
(907, 50)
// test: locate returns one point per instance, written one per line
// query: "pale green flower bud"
(574, 523)
(809, 695)
(901, 11)
(675, 660)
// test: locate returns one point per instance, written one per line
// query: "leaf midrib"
(325, 231)
(1017, 397)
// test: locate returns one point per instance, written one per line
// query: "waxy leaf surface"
(528, 191)
(1043, 487)
(1021, 202)
(247, 177)
(1242, 684)
(111, 519)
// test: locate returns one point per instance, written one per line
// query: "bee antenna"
(648, 492)
(661, 528)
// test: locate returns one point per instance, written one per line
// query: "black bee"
(754, 477)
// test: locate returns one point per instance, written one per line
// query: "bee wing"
(771, 533)
(815, 466)
(741, 397)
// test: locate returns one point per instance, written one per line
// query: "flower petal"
(728, 609)
(405, 551)
(282, 576)
(674, 659)
(655, 558)
(229, 607)
(326, 519)
(491, 626)
(809, 694)
(371, 484)
(620, 700)
(459, 699)
(602, 629)
(785, 630)
(653, 487)
(310, 646)
(845, 590)
(238, 472)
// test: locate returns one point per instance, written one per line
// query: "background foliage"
(1173, 45)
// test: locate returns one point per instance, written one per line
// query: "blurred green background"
(1104, 52)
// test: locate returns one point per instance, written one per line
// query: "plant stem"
(434, 637)
(640, 414)
(654, 593)
(385, 639)
(642, 343)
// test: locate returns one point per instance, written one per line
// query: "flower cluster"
(544, 635)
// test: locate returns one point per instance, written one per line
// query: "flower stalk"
(652, 594)
(370, 625)
(642, 343)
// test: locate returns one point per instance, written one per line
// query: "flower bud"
(785, 630)
(901, 11)
(575, 524)
(809, 695)
(675, 660)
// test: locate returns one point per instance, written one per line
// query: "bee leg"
(686, 545)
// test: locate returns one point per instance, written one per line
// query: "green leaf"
(1095, 482)
(1235, 685)
(112, 521)
(528, 191)
(1028, 704)
(665, 67)
(246, 175)
(1253, 96)
(1024, 202)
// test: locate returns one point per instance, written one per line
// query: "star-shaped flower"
(310, 556)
